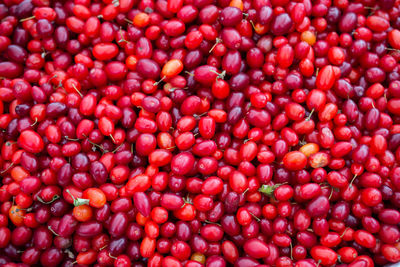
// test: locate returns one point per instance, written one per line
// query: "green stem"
(55, 197)
(28, 18)
(78, 201)
(207, 221)
(352, 180)
(157, 83)
(217, 41)
(51, 230)
(309, 116)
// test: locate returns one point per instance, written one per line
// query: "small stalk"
(51, 230)
(28, 18)
(116, 149)
(33, 124)
(55, 197)
(52, 77)
(269, 189)
(309, 116)
(76, 89)
(254, 216)
(129, 21)
(339, 259)
(189, 73)
(148, 10)
(247, 140)
(60, 85)
(71, 139)
(248, 106)
(69, 253)
(209, 222)
(217, 41)
(44, 54)
(9, 167)
(245, 191)
(157, 83)
(252, 24)
(94, 144)
(112, 138)
(352, 180)
(219, 75)
(15, 212)
(392, 49)
(172, 89)
(186, 200)
(344, 232)
(78, 201)
(122, 36)
(201, 115)
(330, 195)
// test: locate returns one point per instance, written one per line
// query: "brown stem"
(352, 180)
(51, 230)
(33, 124)
(330, 195)
(76, 89)
(219, 75)
(55, 197)
(207, 221)
(115, 3)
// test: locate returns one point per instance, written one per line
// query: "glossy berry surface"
(189, 133)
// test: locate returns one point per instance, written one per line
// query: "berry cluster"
(189, 133)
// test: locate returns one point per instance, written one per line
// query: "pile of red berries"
(188, 133)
